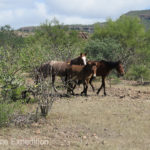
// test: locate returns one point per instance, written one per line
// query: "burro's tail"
(42, 71)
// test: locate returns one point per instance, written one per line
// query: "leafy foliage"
(8, 38)
(56, 40)
(127, 31)
(137, 72)
(143, 15)
(107, 48)
(11, 81)
(7, 110)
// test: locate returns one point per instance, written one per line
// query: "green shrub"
(7, 110)
(138, 72)
(11, 91)
(16, 93)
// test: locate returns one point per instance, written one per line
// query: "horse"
(81, 60)
(59, 68)
(103, 70)
(82, 74)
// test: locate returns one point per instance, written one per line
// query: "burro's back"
(59, 67)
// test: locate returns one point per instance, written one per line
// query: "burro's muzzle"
(120, 74)
(94, 75)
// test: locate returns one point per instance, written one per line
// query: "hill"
(144, 15)
(81, 28)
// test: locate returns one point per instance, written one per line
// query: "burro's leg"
(92, 84)
(53, 81)
(102, 86)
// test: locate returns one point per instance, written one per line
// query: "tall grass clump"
(7, 110)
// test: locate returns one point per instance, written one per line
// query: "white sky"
(19, 13)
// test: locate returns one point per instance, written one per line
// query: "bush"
(107, 48)
(12, 88)
(6, 112)
(138, 72)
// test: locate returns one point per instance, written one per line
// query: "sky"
(20, 13)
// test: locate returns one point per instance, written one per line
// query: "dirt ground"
(118, 121)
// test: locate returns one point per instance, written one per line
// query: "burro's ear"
(80, 54)
(85, 54)
(119, 62)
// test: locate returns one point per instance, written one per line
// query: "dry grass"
(119, 121)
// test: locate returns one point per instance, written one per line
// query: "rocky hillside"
(81, 28)
(144, 15)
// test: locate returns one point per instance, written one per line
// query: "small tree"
(12, 82)
(57, 40)
(137, 72)
(44, 95)
(107, 48)
(127, 31)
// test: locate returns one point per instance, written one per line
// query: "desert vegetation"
(76, 122)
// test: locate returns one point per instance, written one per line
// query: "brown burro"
(103, 70)
(81, 74)
(53, 69)
(57, 68)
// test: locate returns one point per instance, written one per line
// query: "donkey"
(82, 74)
(103, 70)
(58, 68)
(81, 60)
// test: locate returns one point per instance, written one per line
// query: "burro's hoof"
(83, 94)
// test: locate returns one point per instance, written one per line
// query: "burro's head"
(83, 57)
(119, 68)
